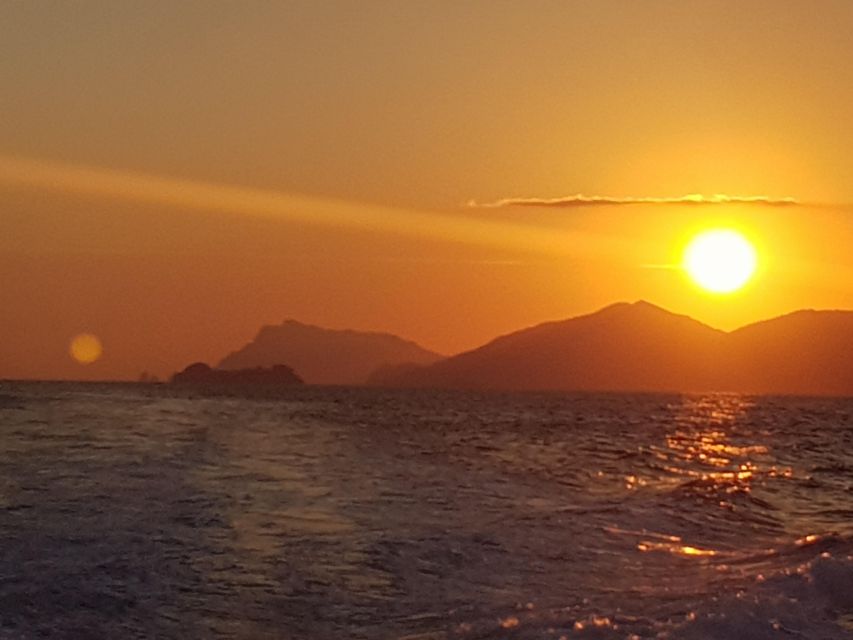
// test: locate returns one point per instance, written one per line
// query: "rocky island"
(203, 374)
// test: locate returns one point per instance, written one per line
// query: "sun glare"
(720, 261)
(85, 348)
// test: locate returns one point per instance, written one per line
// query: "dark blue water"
(146, 512)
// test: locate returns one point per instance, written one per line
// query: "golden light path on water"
(699, 455)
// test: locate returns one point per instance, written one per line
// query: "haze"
(175, 175)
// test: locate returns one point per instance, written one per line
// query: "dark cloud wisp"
(580, 200)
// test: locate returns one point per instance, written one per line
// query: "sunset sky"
(173, 175)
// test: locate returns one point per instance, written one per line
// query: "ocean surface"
(144, 511)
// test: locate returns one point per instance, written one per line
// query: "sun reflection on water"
(712, 453)
(711, 450)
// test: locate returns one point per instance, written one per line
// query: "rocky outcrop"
(202, 374)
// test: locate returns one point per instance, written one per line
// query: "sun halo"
(85, 348)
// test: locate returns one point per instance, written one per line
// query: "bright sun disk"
(721, 260)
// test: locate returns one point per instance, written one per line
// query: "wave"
(803, 589)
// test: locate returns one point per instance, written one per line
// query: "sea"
(149, 511)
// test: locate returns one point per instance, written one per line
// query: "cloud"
(580, 200)
(194, 195)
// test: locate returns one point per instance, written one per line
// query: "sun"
(720, 260)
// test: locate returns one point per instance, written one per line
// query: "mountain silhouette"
(327, 356)
(642, 347)
(805, 352)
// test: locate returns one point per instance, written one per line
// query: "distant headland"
(327, 356)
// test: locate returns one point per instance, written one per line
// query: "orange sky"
(172, 177)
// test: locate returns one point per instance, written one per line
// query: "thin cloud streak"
(580, 200)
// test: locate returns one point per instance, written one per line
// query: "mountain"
(623, 346)
(642, 347)
(805, 352)
(327, 356)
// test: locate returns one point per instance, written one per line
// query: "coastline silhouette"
(623, 347)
